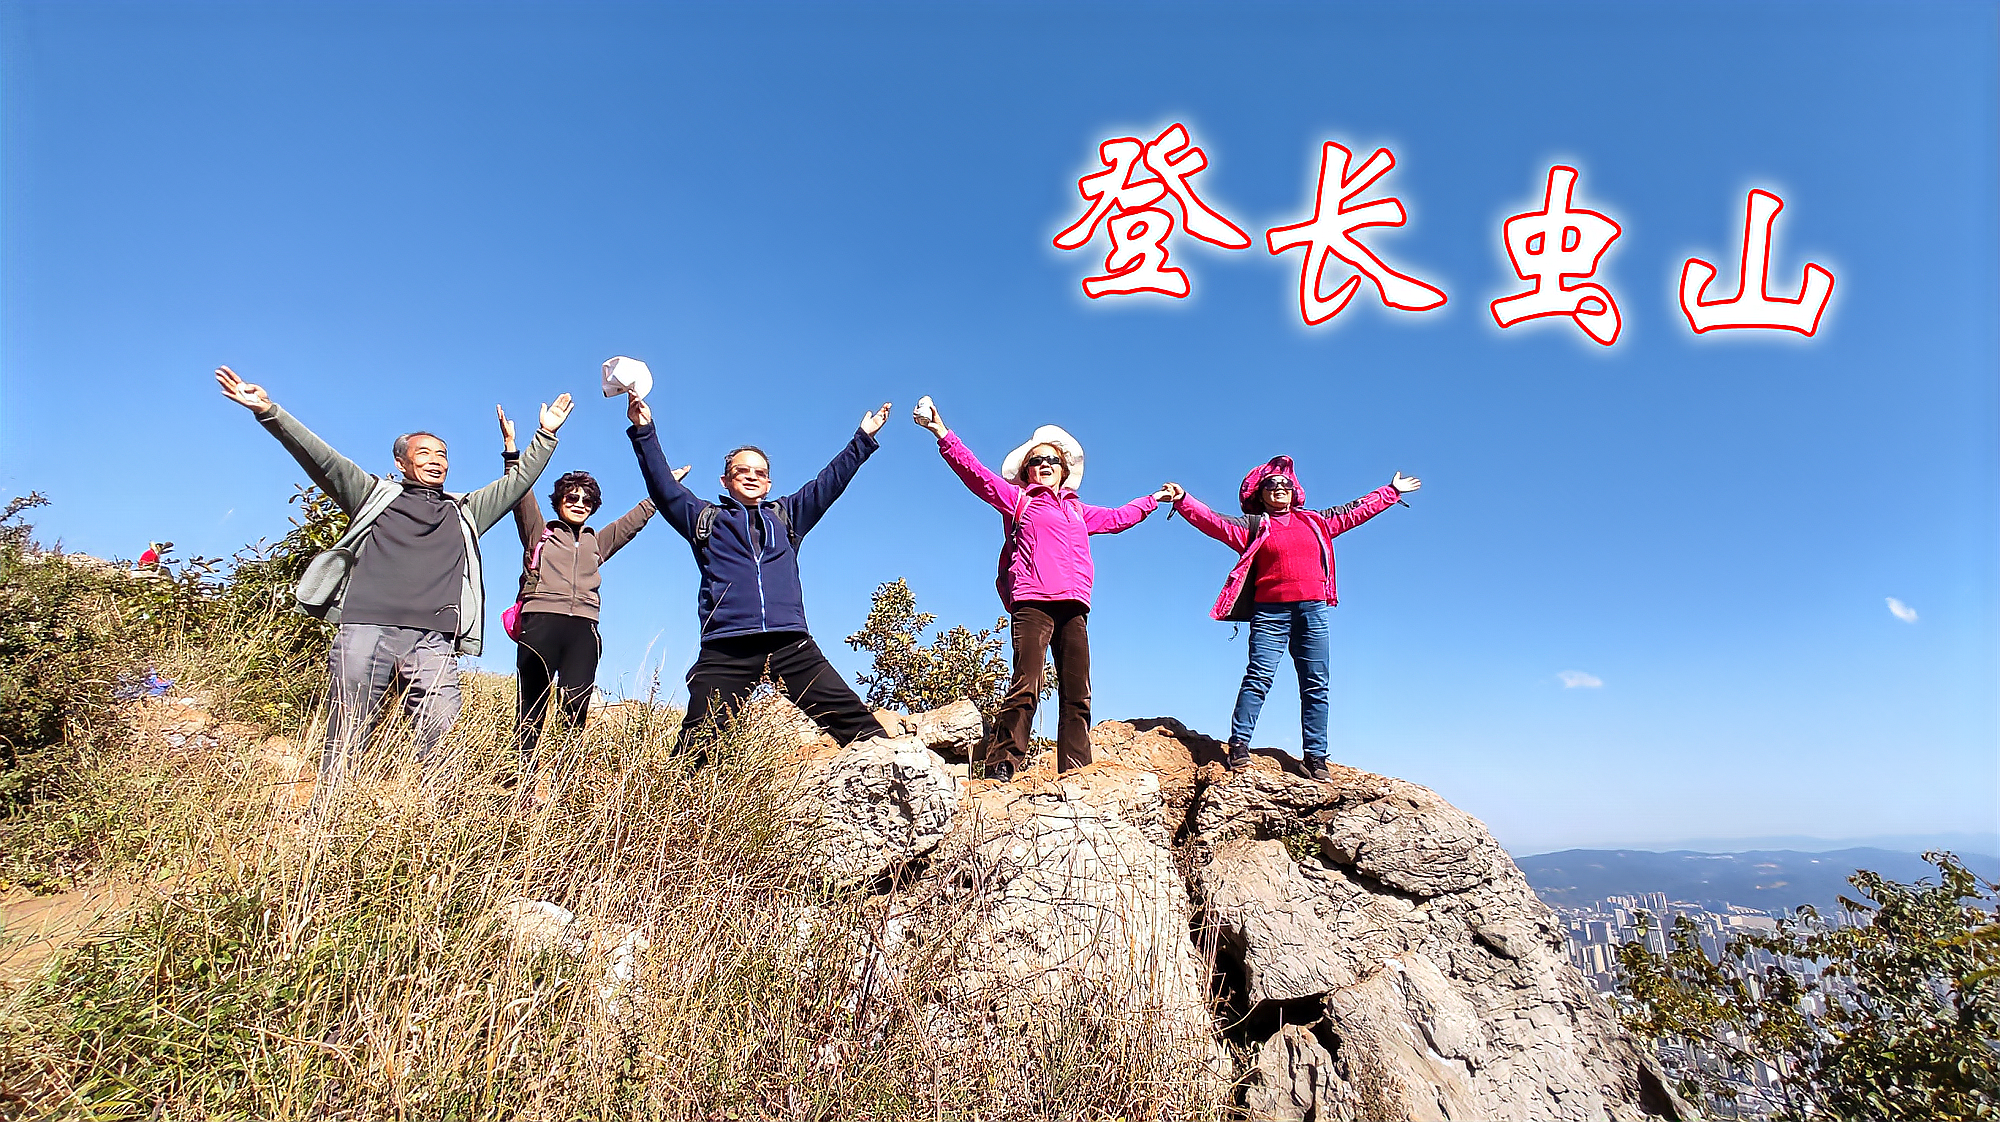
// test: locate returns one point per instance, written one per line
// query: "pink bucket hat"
(1278, 465)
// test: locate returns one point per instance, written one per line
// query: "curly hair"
(577, 481)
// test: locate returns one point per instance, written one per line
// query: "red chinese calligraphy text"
(1556, 247)
(1756, 308)
(1330, 233)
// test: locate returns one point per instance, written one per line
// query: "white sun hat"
(627, 375)
(1010, 468)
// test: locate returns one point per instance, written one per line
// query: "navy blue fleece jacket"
(749, 580)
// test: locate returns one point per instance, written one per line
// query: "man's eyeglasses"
(748, 473)
(1043, 461)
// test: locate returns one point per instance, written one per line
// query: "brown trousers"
(1043, 627)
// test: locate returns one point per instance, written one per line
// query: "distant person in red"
(1283, 587)
(1045, 580)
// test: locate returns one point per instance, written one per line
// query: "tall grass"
(352, 962)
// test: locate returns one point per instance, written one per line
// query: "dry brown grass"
(292, 966)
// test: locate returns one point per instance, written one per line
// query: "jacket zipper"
(763, 530)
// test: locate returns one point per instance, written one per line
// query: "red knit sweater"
(1291, 564)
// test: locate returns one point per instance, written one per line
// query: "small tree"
(1894, 1017)
(914, 676)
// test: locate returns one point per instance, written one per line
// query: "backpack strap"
(1255, 522)
(704, 524)
(785, 520)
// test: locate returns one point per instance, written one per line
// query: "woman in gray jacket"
(556, 628)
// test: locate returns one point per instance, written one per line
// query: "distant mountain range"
(1771, 880)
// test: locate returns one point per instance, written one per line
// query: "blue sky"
(395, 216)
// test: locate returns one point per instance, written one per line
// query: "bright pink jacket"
(1051, 548)
(1234, 603)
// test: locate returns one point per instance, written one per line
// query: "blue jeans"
(1301, 627)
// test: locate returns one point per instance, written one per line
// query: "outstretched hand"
(506, 430)
(681, 473)
(1170, 493)
(871, 423)
(638, 412)
(1404, 484)
(249, 395)
(926, 416)
(555, 413)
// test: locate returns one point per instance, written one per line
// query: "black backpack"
(704, 524)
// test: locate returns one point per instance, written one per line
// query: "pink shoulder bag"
(510, 620)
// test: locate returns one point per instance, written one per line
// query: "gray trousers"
(369, 659)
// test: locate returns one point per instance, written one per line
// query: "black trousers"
(1042, 628)
(554, 647)
(728, 669)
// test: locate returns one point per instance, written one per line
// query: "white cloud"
(1578, 680)
(1901, 610)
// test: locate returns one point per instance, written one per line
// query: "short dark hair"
(731, 457)
(577, 481)
(402, 446)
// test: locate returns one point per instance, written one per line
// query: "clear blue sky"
(395, 216)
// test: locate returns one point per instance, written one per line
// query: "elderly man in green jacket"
(404, 583)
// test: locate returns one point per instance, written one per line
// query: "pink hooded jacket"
(1051, 549)
(1235, 602)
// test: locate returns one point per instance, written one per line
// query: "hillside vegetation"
(370, 964)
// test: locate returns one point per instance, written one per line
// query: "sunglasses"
(1276, 485)
(1042, 461)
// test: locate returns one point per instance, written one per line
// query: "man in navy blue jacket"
(753, 612)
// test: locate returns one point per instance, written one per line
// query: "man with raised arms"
(752, 606)
(404, 583)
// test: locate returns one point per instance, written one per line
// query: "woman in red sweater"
(1283, 586)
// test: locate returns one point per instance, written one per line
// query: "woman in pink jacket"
(1283, 586)
(1045, 576)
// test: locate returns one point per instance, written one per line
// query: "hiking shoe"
(1320, 772)
(1000, 772)
(1239, 757)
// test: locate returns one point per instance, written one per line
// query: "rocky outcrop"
(1391, 926)
(1357, 949)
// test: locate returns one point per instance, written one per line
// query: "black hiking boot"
(1239, 757)
(1000, 772)
(1319, 771)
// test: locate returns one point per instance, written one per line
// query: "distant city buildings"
(1596, 931)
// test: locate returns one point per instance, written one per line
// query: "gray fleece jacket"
(350, 486)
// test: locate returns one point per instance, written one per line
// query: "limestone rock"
(879, 804)
(1434, 972)
(1295, 1080)
(1065, 905)
(951, 732)
(538, 925)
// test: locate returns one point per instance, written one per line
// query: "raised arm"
(676, 503)
(1232, 532)
(492, 502)
(981, 480)
(1367, 507)
(1117, 520)
(809, 504)
(612, 538)
(343, 480)
(528, 518)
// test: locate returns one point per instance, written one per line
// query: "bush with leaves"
(913, 676)
(1893, 1017)
(61, 654)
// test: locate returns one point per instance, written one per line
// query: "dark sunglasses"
(1042, 461)
(1275, 484)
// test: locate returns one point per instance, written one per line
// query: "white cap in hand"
(627, 375)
